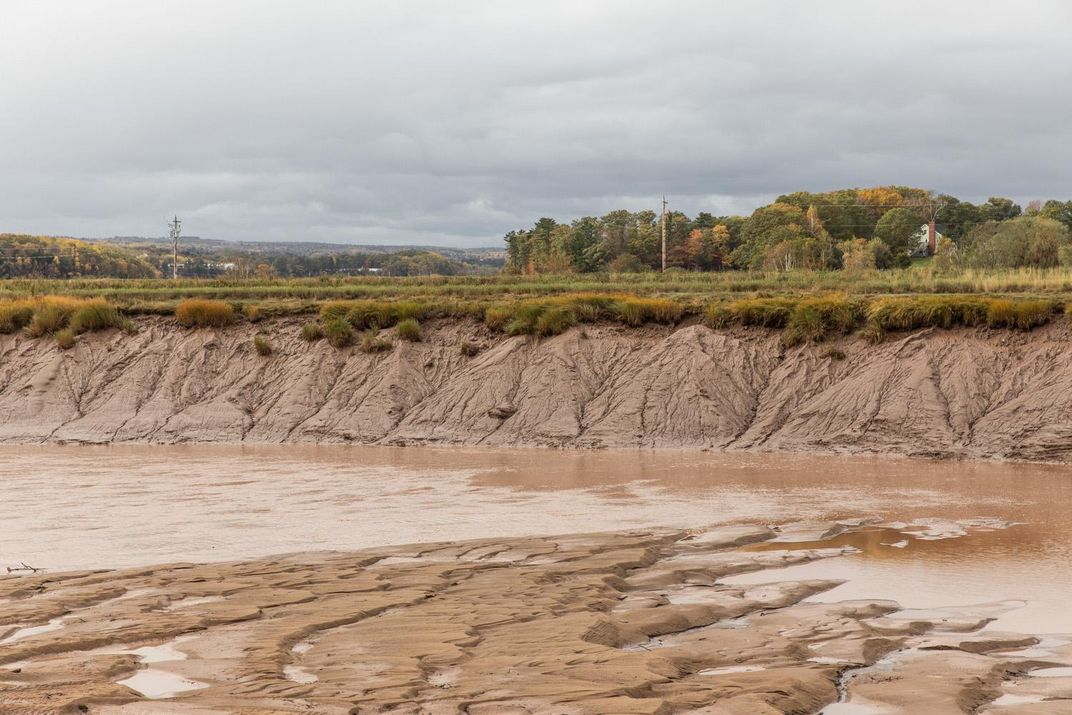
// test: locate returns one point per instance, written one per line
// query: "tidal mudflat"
(177, 580)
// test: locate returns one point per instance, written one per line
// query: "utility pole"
(662, 221)
(176, 227)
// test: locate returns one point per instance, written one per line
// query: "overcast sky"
(449, 123)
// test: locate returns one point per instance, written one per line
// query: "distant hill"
(297, 248)
(23, 256)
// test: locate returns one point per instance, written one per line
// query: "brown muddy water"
(96, 507)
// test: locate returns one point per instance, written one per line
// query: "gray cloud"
(450, 123)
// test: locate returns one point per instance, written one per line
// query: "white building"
(927, 239)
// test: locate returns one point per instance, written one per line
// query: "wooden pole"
(662, 220)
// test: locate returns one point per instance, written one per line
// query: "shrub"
(95, 315)
(409, 329)
(469, 348)
(261, 345)
(199, 313)
(554, 321)
(338, 332)
(15, 315)
(311, 332)
(65, 339)
(371, 342)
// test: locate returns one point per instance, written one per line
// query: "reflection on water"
(92, 507)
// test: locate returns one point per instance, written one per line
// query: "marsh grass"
(338, 332)
(252, 312)
(96, 315)
(409, 329)
(262, 345)
(311, 332)
(199, 313)
(15, 315)
(65, 339)
(813, 320)
(371, 342)
(556, 314)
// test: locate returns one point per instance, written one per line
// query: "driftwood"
(23, 566)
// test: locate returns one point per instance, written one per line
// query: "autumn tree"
(899, 229)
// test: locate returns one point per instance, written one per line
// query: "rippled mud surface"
(649, 621)
(206, 580)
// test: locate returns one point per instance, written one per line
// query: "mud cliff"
(971, 393)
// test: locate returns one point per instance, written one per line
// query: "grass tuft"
(554, 321)
(371, 342)
(15, 315)
(311, 332)
(199, 313)
(65, 339)
(95, 315)
(813, 320)
(409, 329)
(262, 346)
(338, 332)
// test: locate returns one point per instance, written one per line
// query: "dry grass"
(197, 313)
(262, 345)
(15, 315)
(371, 342)
(65, 339)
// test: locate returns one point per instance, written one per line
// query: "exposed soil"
(636, 622)
(958, 393)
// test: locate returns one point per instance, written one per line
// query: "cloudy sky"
(449, 123)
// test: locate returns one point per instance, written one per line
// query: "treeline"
(24, 256)
(290, 265)
(857, 229)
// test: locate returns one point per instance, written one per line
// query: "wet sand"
(597, 582)
(647, 621)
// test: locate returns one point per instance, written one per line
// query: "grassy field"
(807, 306)
(301, 295)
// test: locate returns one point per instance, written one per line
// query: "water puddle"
(159, 684)
(1010, 699)
(730, 669)
(192, 601)
(54, 625)
(297, 673)
(1060, 672)
(853, 709)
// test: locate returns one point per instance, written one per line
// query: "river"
(78, 507)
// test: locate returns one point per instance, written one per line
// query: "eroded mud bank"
(969, 393)
(633, 622)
